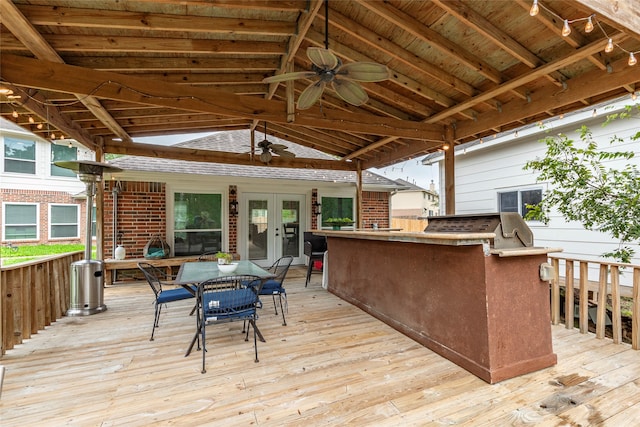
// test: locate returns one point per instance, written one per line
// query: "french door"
(272, 226)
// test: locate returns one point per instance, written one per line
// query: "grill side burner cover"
(510, 229)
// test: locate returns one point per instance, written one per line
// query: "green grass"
(23, 253)
(38, 250)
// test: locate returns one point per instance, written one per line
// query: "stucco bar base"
(488, 314)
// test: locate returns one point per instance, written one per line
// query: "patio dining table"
(195, 272)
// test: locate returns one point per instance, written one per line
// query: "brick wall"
(141, 215)
(44, 198)
(375, 208)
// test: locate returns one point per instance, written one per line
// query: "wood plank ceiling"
(108, 72)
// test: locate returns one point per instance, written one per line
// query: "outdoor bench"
(111, 266)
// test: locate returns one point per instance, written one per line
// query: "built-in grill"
(510, 229)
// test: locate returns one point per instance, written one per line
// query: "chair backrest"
(317, 243)
(228, 298)
(153, 275)
(281, 267)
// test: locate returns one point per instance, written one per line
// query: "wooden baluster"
(635, 316)
(584, 297)
(602, 302)
(568, 294)
(555, 293)
(616, 315)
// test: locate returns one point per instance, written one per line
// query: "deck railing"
(37, 293)
(33, 295)
(604, 296)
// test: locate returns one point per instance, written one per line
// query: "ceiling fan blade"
(350, 92)
(322, 58)
(276, 147)
(289, 76)
(310, 95)
(364, 72)
(285, 154)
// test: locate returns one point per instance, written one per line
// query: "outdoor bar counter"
(487, 310)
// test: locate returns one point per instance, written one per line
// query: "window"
(337, 207)
(197, 223)
(63, 221)
(19, 156)
(20, 221)
(517, 201)
(61, 153)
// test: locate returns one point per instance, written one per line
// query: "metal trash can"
(87, 290)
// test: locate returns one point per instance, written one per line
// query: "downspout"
(115, 190)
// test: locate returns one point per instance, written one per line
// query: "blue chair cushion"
(272, 287)
(237, 303)
(177, 294)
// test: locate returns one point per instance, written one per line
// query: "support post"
(449, 171)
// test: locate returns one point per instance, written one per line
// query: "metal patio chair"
(158, 280)
(274, 286)
(228, 299)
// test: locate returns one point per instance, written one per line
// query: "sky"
(410, 170)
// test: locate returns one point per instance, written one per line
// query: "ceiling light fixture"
(609, 47)
(535, 9)
(632, 59)
(5, 91)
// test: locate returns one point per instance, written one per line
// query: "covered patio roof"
(106, 73)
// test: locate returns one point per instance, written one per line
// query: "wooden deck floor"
(332, 365)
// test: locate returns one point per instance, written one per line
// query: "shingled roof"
(239, 141)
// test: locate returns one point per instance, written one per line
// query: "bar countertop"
(450, 239)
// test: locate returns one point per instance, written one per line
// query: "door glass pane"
(198, 223)
(290, 214)
(258, 217)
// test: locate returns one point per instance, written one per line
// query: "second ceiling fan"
(327, 68)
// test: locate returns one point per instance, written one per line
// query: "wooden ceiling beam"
(59, 77)
(483, 26)
(121, 44)
(36, 103)
(375, 42)
(552, 99)
(625, 13)
(22, 29)
(167, 23)
(532, 75)
(208, 156)
(269, 5)
(433, 38)
(173, 64)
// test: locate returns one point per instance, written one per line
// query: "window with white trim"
(64, 221)
(517, 201)
(20, 221)
(19, 156)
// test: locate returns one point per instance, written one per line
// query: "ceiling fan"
(268, 148)
(328, 68)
